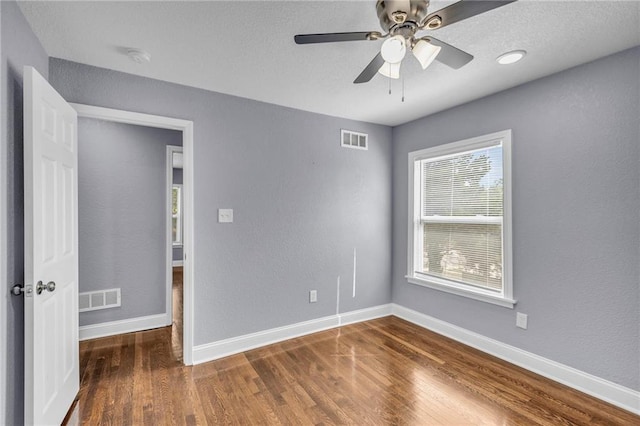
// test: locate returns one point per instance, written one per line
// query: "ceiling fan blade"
(465, 9)
(449, 55)
(370, 70)
(332, 37)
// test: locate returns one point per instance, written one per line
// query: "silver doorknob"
(50, 286)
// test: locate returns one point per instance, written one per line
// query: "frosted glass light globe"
(390, 70)
(394, 49)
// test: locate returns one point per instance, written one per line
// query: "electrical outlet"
(521, 320)
(225, 215)
(313, 296)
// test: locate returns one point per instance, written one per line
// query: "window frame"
(178, 242)
(415, 241)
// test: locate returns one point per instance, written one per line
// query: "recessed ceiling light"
(511, 57)
(139, 56)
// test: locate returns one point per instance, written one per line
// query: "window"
(176, 214)
(460, 218)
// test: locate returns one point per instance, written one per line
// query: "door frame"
(171, 149)
(4, 300)
(186, 127)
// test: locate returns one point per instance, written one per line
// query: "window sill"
(177, 245)
(476, 295)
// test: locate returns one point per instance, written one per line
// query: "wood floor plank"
(376, 372)
(381, 372)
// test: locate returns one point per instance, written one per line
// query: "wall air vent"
(350, 139)
(102, 299)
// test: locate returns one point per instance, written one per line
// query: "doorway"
(186, 129)
(175, 215)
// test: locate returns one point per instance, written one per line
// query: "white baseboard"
(175, 263)
(366, 314)
(112, 328)
(605, 390)
(234, 345)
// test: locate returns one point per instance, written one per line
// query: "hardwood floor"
(177, 312)
(380, 372)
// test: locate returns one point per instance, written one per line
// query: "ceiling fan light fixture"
(390, 70)
(400, 21)
(425, 52)
(511, 57)
(393, 49)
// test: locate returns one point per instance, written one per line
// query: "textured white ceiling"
(246, 48)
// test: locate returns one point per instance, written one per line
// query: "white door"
(51, 252)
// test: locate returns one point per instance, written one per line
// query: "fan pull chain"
(389, 85)
(403, 88)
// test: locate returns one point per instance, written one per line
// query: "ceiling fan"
(402, 20)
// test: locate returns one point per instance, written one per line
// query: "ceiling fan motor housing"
(402, 17)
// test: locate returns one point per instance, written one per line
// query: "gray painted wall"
(576, 208)
(19, 47)
(177, 175)
(177, 253)
(301, 202)
(177, 179)
(122, 215)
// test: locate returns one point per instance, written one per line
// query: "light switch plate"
(225, 215)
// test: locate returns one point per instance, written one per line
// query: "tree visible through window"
(176, 214)
(459, 220)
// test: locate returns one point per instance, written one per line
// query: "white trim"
(171, 149)
(451, 149)
(605, 390)
(130, 117)
(131, 325)
(507, 217)
(177, 161)
(186, 127)
(5, 296)
(234, 345)
(462, 290)
(175, 263)
(188, 247)
(366, 314)
(483, 220)
(505, 296)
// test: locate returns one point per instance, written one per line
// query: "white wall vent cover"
(351, 139)
(102, 299)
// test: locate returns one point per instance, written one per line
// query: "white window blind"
(461, 217)
(459, 204)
